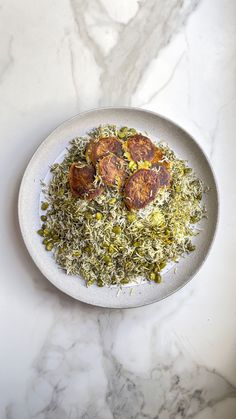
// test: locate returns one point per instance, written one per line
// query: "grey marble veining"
(7, 60)
(139, 41)
(77, 375)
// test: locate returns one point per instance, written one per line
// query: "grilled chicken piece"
(140, 148)
(81, 180)
(112, 170)
(99, 148)
(158, 159)
(164, 176)
(141, 188)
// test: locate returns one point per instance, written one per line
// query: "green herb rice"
(105, 242)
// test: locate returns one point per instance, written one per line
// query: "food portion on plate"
(120, 207)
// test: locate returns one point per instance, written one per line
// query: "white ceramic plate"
(157, 128)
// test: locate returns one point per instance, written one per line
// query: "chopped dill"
(103, 241)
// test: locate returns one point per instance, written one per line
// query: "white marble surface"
(60, 358)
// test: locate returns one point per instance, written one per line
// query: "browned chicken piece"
(164, 176)
(81, 180)
(157, 159)
(140, 148)
(99, 148)
(141, 188)
(112, 170)
(158, 155)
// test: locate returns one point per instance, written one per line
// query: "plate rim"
(117, 108)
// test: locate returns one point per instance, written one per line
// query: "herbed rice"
(85, 243)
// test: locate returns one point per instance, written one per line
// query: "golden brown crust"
(81, 180)
(141, 188)
(98, 149)
(158, 155)
(164, 177)
(112, 170)
(157, 159)
(140, 148)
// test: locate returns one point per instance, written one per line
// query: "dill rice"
(105, 242)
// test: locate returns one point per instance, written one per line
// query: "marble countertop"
(63, 359)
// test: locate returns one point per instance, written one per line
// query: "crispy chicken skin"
(105, 157)
(140, 148)
(141, 188)
(98, 149)
(158, 156)
(157, 159)
(81, 180)
(164, 176)
(112, 170)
